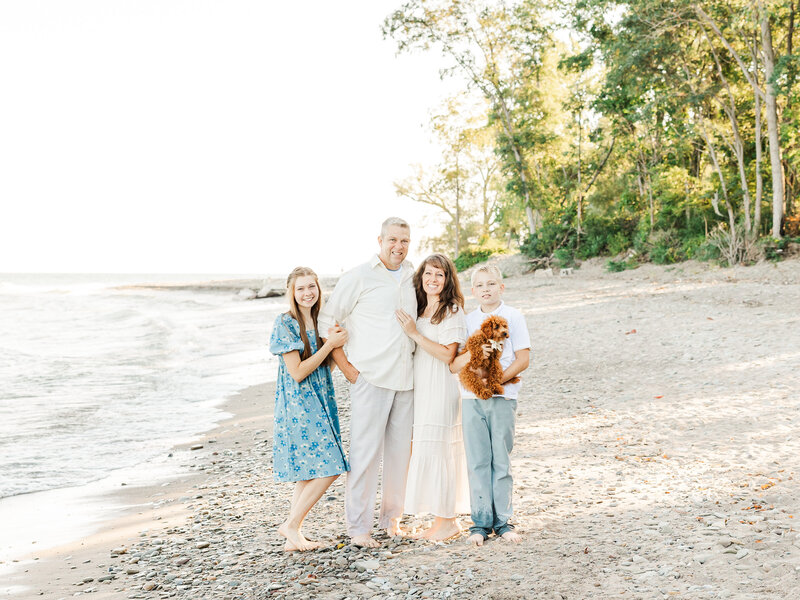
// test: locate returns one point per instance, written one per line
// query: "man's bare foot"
(364, 540)
(512, 536)
(476, 539)
(295, 541)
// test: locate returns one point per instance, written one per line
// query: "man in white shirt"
(377, 361)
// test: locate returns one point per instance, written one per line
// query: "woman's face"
(306, 291)
(433, 280)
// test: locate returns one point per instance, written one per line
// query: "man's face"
(394, 246)
(487, 289)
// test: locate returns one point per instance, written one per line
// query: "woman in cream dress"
(437, 475)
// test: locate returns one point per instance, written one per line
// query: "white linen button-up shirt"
(364, 302)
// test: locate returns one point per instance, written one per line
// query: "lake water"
(94, 377)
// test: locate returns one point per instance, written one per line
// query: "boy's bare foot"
(296, 541)
(512, 536)
(476, 539)
(364, 540)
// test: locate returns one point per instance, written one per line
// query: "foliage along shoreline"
(657, 130)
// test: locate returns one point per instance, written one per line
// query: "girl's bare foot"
(295, 541)
(364, 540)
(512, 536)
(476, 539)
(309, 545)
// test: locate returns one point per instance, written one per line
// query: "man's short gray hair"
(393, 221)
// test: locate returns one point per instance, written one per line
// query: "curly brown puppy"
(484, 376)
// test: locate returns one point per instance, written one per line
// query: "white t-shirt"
(518, 339)
(397, 274)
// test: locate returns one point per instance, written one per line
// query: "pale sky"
(202, 136)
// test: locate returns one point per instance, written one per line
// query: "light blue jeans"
(488, 439)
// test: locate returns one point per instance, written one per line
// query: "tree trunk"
(759, 178)
(789, 50)
(580, 184)
(458, 208)
(645, 185)
(771, 105)
(485, 204)
(713, 154)
(520, 165)
(738, 144)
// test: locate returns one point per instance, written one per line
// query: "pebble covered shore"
(656, 454)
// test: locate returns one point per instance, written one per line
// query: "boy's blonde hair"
(489, 270)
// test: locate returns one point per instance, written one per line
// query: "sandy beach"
(655, 457)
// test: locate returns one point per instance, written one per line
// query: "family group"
(398, 336)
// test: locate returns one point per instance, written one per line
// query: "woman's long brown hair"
(451, 296)
(294, 310)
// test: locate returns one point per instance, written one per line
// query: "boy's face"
(487, 290)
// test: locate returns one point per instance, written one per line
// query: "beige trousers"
(381, 421)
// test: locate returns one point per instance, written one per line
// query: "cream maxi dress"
(437, 474)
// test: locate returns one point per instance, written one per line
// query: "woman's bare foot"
(394, 529)
(512, 536)
(445, 531)
(476, 539)
(364, 540)
(296, 541)
(426, 535)
(418, 535)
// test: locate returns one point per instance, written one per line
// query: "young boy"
(489, 424)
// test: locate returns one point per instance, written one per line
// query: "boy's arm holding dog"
(520, 340)
(521, 362)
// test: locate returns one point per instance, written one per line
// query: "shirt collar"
(495, 311)
(376, 260)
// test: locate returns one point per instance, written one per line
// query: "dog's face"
(495, 328)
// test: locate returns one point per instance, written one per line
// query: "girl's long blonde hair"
(294, 310)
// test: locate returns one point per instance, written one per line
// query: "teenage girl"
(307, 444)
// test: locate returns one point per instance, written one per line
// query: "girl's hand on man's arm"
(337, 337)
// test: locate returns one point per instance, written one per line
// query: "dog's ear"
(488, 327)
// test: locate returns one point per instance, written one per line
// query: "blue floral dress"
(307, 443)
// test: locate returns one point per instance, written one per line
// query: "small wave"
(89, 379)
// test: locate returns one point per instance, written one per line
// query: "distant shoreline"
(261, 288)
